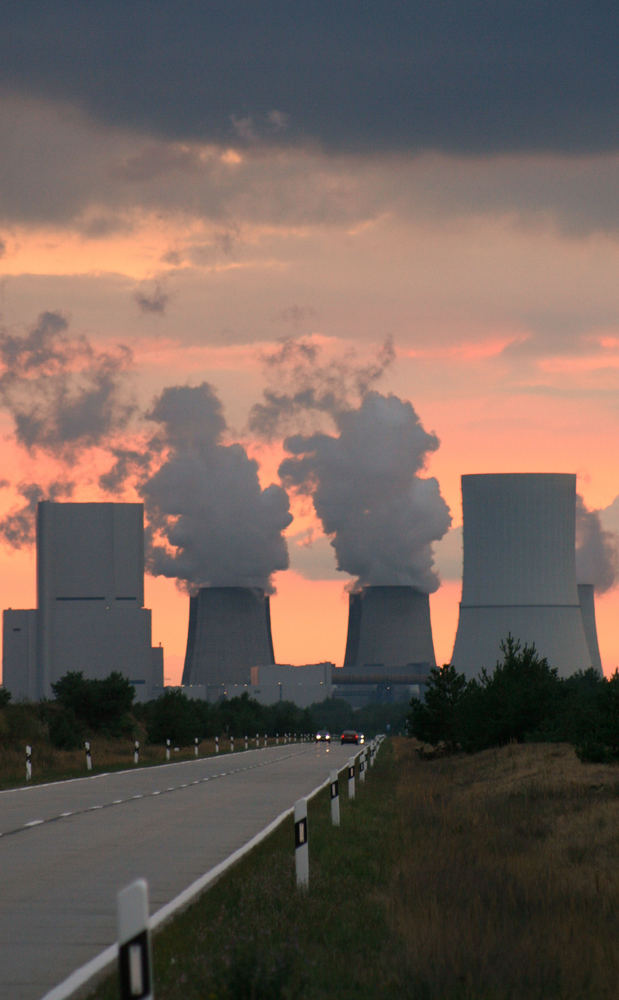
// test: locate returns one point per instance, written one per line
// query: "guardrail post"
(88, 757)
(351, 778)
(28, 763)
(135, 966)
(335, 799)
(301, 848)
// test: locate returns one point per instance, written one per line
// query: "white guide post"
(335, 799)
(28, 762)
(232, 744)
(351, 778)
(301, 848)
(217, 744)
(88, 756)
(136, 752)
(167, 749)
(362, 767)
(246, 743)
(135, 966)
(195, 746)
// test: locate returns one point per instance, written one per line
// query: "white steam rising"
(381, 516)
(597, 551)
(210, 522)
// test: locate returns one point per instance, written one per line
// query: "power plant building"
(229, 633)
(389, 645)
(90, 595)
(519, 573)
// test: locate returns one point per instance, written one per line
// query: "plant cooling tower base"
(389, 626)
(229, 633)
(556, 632)
(519, 573)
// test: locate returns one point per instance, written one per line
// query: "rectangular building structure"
(90, 595)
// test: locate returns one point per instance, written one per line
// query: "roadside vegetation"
(488, 876)
(103, 712)
(523, 699)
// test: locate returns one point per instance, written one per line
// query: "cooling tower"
(519, 572)
(587, 610)
(229, 632)
(388, 627)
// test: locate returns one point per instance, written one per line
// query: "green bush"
(101, 705)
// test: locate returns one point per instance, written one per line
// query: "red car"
(349, 736)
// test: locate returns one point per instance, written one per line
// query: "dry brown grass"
(51, 764)
(506, 879)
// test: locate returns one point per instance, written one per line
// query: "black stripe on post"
(335, 789)
(134, 968)
(300, 833)
(351, 772)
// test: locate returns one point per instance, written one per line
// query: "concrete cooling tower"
(519, 573)
(229, 633)
(587, 610)
(389, 627)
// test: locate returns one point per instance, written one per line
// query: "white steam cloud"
(597, 550)
(210, 522)
(381, 516)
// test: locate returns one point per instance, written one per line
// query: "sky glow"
(439, 180)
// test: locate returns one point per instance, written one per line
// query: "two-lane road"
(67, 848)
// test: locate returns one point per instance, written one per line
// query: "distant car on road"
(349, 736)
(323, 736)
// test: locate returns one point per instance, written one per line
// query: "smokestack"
(229, 632)
(587, 609)
(389, 626)
(519, 573)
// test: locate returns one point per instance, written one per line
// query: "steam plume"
(597, 555)
(381, 516)
(18, 527)
(209, 520)
(303, 383)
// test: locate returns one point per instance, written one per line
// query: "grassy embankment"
(21, 725)
(485, 877)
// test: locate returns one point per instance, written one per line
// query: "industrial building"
(229, 633)
(90, 614)
(389, 645)
(519, 573)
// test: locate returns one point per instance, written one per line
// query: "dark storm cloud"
(484, 76)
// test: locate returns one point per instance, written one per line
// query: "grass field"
(484, 877)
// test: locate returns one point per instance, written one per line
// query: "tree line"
(82, 708)
(522, 699)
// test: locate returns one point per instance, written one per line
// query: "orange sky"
(502, 305)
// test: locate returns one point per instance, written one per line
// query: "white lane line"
(65, 814)
(34, 822)
(155, 793)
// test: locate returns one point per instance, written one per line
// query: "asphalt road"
(67, 848)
